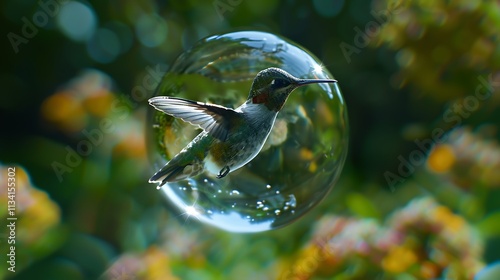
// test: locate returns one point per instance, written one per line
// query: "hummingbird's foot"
(223, 172)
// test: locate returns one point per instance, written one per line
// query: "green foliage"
(93, 214)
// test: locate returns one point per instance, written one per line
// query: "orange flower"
(429, 270)
(64, 110)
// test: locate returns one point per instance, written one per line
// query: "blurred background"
(418, 197)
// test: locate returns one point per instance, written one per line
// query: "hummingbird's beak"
(303, 82)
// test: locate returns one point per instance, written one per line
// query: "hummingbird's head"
(272, 86)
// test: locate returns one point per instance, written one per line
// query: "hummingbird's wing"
(214, 119)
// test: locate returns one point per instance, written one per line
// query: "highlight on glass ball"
(247, 132)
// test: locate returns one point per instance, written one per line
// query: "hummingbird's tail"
(173, 172)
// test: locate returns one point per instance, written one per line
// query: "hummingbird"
(231, 137)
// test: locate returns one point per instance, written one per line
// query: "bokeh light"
(104, 46)
(151, 30)
(77, 20)
(417, 198)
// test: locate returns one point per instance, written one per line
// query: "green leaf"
(490, 226)
(362, 206)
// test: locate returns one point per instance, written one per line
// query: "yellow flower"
(305, 266)
(306, 154)
(157, 265)
(310, 261)
(99, 103)
(441, 159)
(445, 217)
(399, 259)
(313, 167)
(64, 110)
(36, 211)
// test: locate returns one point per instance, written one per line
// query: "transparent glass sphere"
(300, 161)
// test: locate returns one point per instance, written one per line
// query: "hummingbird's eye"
(279, 83)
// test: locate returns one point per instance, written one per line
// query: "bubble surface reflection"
(299, 163)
